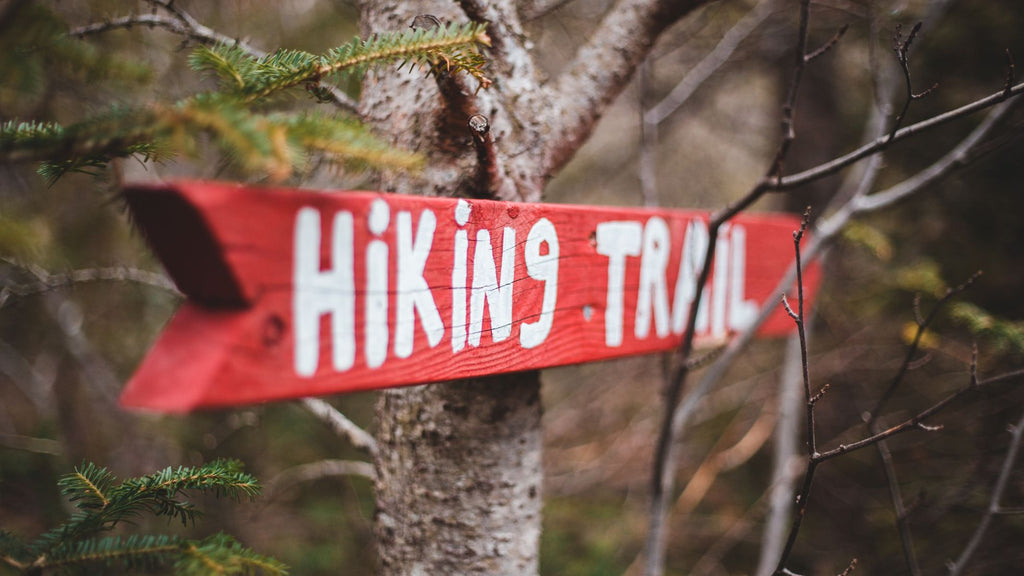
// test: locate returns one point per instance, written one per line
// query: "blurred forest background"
(65, 351)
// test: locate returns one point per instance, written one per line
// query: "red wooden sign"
(295, 293)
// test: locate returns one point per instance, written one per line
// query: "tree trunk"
(459, 469)
(459, 477)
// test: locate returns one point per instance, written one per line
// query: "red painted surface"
(399, 290)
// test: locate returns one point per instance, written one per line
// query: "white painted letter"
(461, 249)
(486, 287)
(377, 287)
(742, 312)
(616, 240)
(543, 268)
(653, 292)
(695, 245)
(317, 292)
(720, 283)
(413, 291)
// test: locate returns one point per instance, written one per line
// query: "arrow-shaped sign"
(295, 293)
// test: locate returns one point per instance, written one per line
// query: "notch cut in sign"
(366, 290)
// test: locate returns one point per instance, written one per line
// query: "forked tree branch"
(883, 142)
(601, 68)
(916, 422)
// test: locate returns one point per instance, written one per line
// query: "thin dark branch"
(828, 45)
(675, 414)
(812, 448)
(902, 49)
(993, 506)
(881, 143)
(491, 177)
(922, 327)
(914, 423)
(789, 108)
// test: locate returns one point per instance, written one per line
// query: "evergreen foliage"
(1001, 335)
(79, 546)
(238, 117)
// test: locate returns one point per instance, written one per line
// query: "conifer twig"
(182, 23)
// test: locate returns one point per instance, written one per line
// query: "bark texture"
(459, 477)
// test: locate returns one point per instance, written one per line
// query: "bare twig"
(785, 453)
(830, 44)
(789, 108)
(994, 506)
(922, 327)
(711, 62)
(881, 143)
(902, 49)
(812, 447)
(341, 425)
(815, 458)
(492, 181)
(663, 478)
(312, 471)
(825, 232)
(915, 422)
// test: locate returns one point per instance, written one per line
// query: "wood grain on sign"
(294, 293)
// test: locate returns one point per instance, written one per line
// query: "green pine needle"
(448, 49)
(274, 144)
(78, 546)
(222, 554)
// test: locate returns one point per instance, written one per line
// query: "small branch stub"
(481, 128)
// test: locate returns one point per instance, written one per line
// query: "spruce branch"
(268, 143)
(77, 546)
(450, 49)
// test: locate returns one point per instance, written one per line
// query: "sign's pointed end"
(180, 373)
